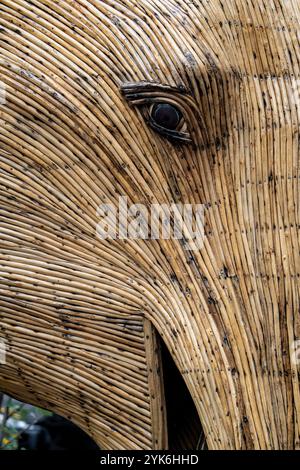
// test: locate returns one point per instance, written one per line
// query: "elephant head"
(156, 102)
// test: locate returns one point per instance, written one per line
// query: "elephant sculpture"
(155, 102)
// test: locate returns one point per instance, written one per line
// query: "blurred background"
(26, 427)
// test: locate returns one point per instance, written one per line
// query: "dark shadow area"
(184, 427)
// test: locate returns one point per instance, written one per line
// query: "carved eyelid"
(140, 87)
(147, 93)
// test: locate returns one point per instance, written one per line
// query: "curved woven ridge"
(76, 312)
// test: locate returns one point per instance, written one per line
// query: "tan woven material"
(83, 318)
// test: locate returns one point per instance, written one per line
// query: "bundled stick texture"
(82, 317)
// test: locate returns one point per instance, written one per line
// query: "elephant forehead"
(167, 40)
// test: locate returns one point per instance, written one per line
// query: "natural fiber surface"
(78, 313)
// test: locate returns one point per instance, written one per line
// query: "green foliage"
(12, 413)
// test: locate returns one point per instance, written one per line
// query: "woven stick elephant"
(135, 104)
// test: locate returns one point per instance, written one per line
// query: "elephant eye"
(163, 107)
(167, 119)
(167, 116)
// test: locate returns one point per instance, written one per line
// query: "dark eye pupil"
(166, 115)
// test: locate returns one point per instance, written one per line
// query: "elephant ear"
(74, 335)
